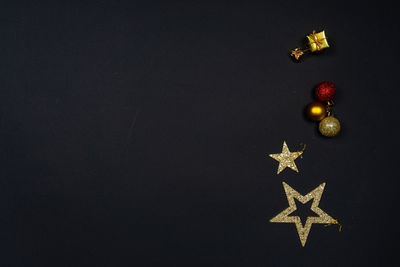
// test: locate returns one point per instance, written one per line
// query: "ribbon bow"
(317, 41)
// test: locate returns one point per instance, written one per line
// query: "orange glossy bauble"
(316, 111)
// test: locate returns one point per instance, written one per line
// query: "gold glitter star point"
(286, 158)
(315, 195)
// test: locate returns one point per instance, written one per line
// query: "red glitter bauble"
(325, 91)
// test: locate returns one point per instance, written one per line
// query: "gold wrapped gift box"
(317, 41)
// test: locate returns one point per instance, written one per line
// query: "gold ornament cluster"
(316, 42)
(320, 111)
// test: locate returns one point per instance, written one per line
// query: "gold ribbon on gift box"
(317, 41)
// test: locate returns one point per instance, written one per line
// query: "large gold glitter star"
(286, 158)
(303, 231)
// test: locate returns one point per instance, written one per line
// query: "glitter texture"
(303, 231)
(325, 91)
(329, 127)
(286, 158)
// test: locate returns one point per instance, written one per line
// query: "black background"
(137, 133)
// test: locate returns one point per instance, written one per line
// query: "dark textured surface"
(136, 134)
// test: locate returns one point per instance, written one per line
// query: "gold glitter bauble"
(330, 126)
(316, 111)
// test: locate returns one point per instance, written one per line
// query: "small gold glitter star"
(286, 158)
(297, 53)
(303, 231)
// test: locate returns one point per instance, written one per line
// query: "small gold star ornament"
(297, 53)
(286, 158)
(304, 230)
